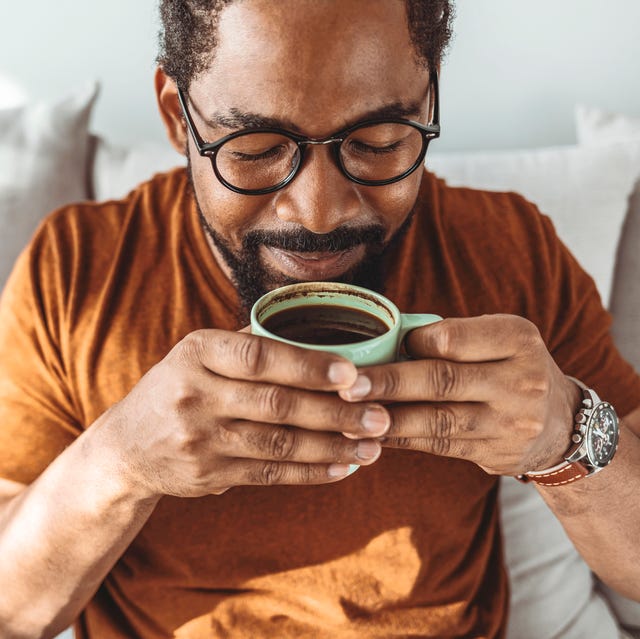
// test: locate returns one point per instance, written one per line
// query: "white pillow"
(596, 126)
(583, 190)
(43, 159)
(117, 170)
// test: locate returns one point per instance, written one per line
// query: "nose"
(320, 197)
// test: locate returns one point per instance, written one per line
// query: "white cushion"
(43, 164)
(117, 169)
(596, 126)
(583, 190)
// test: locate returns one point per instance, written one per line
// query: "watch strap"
(559, 475)
(566, 472)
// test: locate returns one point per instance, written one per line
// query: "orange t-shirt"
(408, 547)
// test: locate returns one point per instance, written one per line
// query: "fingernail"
(367, 450)
(353, 468)
(360, 389)
(340, 373)
(339, 470)
(376, 420)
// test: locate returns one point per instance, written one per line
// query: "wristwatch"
(593, 443)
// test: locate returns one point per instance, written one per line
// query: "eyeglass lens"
(378, 152)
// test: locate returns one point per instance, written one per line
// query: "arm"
(205, 419)
(68, 528)
(601, 515)
(487, 390)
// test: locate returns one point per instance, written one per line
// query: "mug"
(354, 322)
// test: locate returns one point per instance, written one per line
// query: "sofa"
(591, 191)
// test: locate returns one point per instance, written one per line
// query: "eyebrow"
(235, 119)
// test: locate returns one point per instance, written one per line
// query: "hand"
(227, 409)
(483, 389)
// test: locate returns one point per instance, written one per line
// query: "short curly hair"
(188, 23)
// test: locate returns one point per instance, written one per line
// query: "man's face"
(313, 68)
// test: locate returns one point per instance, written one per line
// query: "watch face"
(602, 435)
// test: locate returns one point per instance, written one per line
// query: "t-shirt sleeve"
(37, 416)
(577, 328)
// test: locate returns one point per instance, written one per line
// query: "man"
(139, 423)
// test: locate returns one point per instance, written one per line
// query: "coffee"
(326, 325)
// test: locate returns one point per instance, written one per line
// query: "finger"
(260, 473)
(427, 380)
(450, 430)
(473, 339)
(239, 355)
(461, 420)
(269, 442)
(276, 404)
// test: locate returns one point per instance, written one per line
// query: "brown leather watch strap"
(564, 473)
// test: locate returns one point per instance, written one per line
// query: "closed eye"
(269, 154)
(362, 148)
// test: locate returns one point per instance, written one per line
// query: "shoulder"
(96, 229)
(501, 233)
(156, 196)
(484, 215)
(76, 246)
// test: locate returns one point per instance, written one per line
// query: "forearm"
(61, 536)
(601, 516)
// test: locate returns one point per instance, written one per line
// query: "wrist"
(593, 443)
(573, 395)
(116, 460)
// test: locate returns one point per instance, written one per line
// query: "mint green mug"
(354, 322)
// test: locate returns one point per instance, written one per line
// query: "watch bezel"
(590, 435)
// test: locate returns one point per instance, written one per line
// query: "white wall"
(516, 69)
(512, 78)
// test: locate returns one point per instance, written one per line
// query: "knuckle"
(441, 446)
(444, 421)
(306, 474)
(269, 474)
(531, 428)
(528, 333)
(183, 395)
(229, 439)
(389, 383)
(444, 379)
(250, 356)
(445, 338)
(401, 442)
(533, 385)
(281, 443)
(190, 348)
(276, 403)
(187, 441)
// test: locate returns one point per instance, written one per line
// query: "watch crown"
(576, 438)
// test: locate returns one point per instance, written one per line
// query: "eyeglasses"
(377, 152)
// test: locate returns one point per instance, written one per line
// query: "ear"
(170, 111)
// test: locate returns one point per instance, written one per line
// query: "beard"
(252, 279)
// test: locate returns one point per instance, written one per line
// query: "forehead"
(317, 63)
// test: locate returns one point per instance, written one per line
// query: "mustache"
(304, 241)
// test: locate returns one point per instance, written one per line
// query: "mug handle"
(409, 321)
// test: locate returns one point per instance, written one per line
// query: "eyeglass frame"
(429, 132)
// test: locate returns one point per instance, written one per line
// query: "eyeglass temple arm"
(435, 85)
(190, 123)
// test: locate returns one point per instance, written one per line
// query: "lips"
(313, 266)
